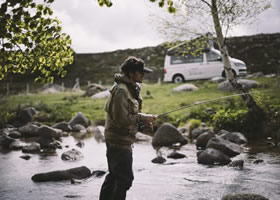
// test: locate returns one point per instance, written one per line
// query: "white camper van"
(205, 66)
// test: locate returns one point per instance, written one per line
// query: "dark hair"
(132, 64)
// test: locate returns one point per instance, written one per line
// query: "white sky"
(127, 24)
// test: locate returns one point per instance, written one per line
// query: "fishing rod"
(211, 100)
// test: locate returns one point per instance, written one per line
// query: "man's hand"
(149, 118)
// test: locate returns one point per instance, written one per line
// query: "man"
(124, 115)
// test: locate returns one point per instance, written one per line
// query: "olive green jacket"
(123, 113)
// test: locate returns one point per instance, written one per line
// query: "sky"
(128, 24)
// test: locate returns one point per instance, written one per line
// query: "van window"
(186, 59)
(212, 57)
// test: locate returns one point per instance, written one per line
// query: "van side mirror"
(206, 50)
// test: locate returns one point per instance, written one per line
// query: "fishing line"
(211, 100)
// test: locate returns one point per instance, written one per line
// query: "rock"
(212, 156)
(255, 75)
(29, 130)
(15, 134)
(61, 175)
(64, 126)
(176, 155)
(270, 75)
(6, 141)
(140, 137)
(185, 87)
(79, 118)
(217, 79)
(80, 144)
(25, 157)
(244, 197)
(226, 86)
(198, 131)
(72, 155)
(228, 148)
(94, 89)
(258, 161)
(49, 132)
(79, 128)
(99, 133)
(101, 95)
(182, 130)
(25, 115)
(46, 142)
(202, 140)
(32, 148)
(237, 163)
(98, 173)
(210, 111)
(221, 132)
(167, 135)
(16, 145)
(235, 137)
(159, 160)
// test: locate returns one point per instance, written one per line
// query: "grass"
(63, 106)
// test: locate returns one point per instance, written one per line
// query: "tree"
(198, 17)
(32, 41)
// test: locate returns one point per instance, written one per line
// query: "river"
(182, 179)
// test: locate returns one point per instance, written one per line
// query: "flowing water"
(182, 179)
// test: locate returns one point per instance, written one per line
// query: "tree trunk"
(247, 98)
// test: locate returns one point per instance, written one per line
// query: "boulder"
(226, 86)
(94, 89)
(72, 155)
(49, 132)
(6, 141)
(185, 88)
(32, 148)
(176, 155)
(25, 115)
(25, 157)
(61, 175)
(15, 134)
(212, 156)
(198, 131)
(29, 130)
(79, 118)
(244, 197)
(202, 140)
(228, 148)
(168, 135)
(237, 163)
(16, 145)
(64, 126)
(159, 160)
(80, 144)
(217, 79)
(46, 142)
(99, 133)
(79, 128)
(182, 130)
(235, 137)
(101, 95)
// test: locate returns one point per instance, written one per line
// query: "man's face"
(137, 76)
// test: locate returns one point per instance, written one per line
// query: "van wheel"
(178, 79)
(224, 74)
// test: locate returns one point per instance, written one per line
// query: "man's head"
(132, 65)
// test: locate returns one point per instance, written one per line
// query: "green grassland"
(230, 113)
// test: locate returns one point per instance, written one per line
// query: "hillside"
(260, 52)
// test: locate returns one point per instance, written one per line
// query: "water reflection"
(176, 179)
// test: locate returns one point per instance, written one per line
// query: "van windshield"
(186, 59)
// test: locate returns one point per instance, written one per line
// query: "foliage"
(161, 3)
(32, 41)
